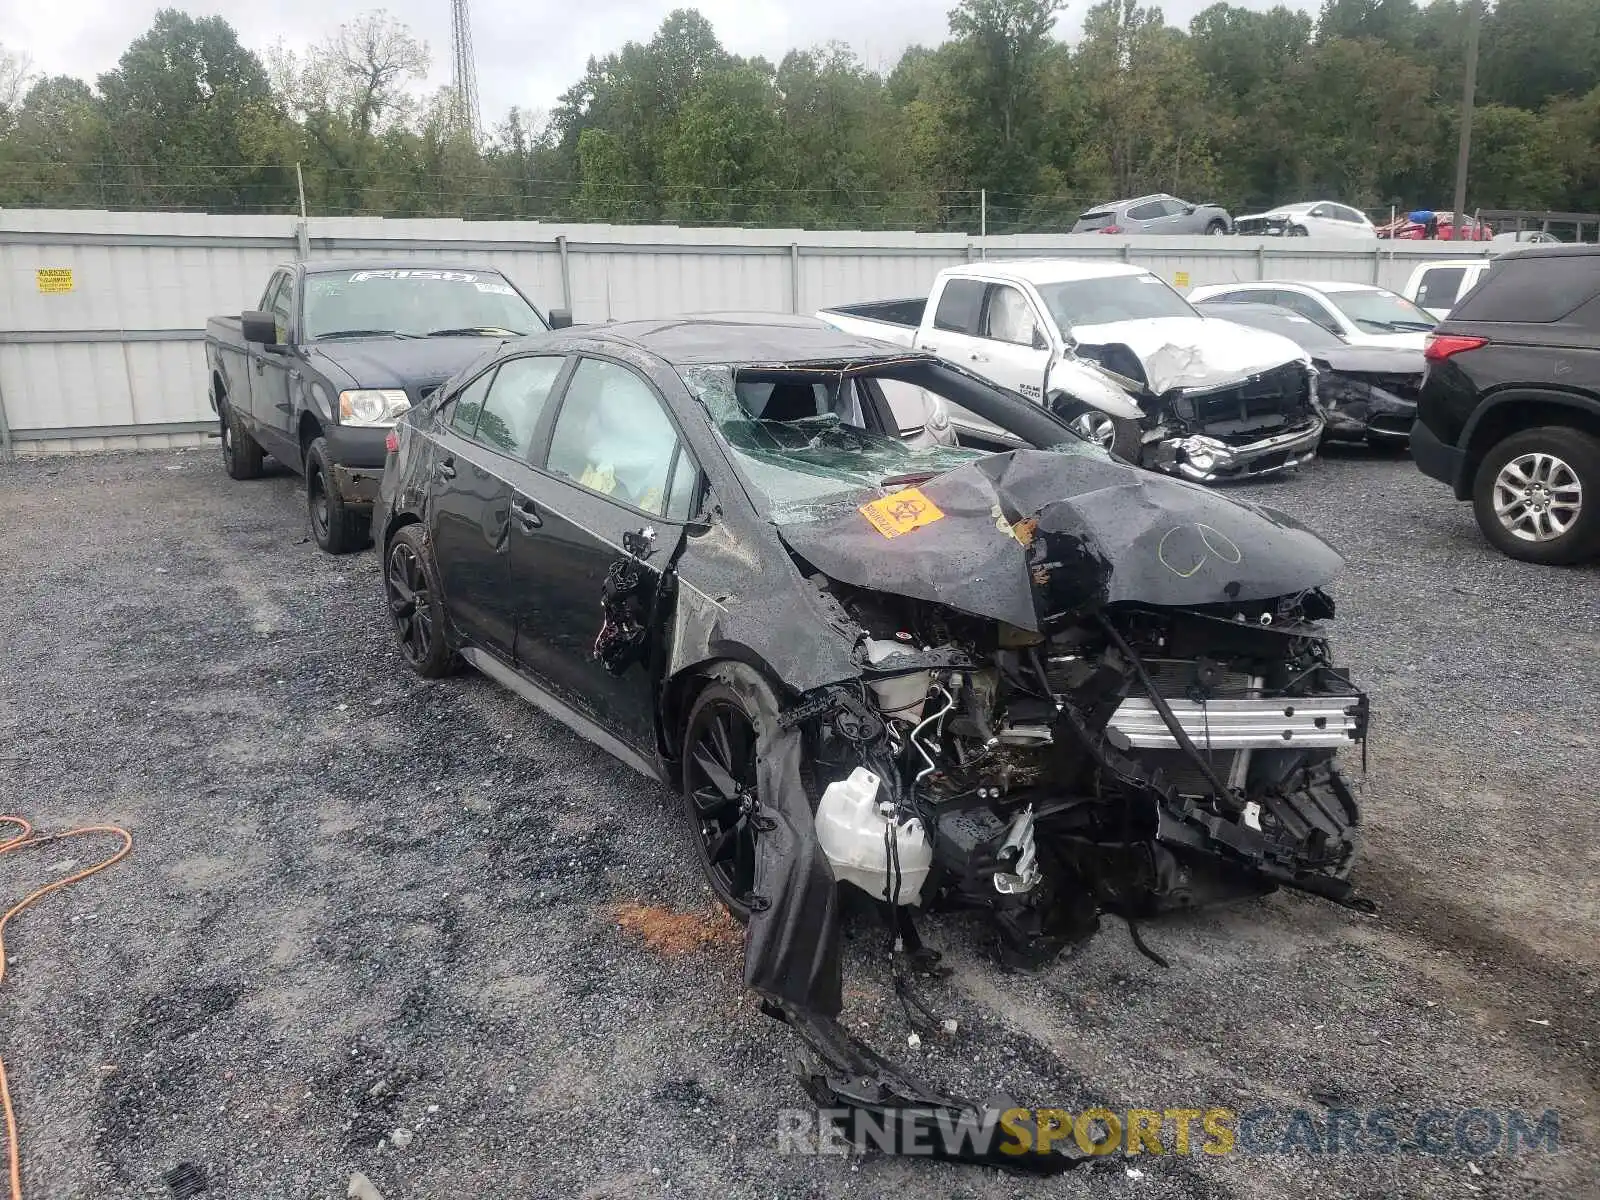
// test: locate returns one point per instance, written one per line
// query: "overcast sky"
(529, 51)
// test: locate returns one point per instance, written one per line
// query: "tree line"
(1245, 108)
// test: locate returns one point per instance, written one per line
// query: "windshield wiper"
(476, 331)
(353, 333)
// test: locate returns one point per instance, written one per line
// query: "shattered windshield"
(810, 452)
(1113, 298)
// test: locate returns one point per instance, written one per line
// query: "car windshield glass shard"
(798, 457)
(1115, 298)
(412, 302)
(1382, 312)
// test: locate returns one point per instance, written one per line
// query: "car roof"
(1047, 270)
(1453, 262)
(321, 266)
(1310, 285)
(744, 339)
(1563, 250)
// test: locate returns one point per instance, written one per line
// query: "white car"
(1310, 218)
(1360, 313)
(1525, 237)
(1439, 285)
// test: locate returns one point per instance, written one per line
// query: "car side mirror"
(260, 327)
(1039, 340)
(1189, 209)
(560, 318)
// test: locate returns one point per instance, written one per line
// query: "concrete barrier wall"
(118, 361)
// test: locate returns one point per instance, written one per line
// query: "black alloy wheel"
(414, 604)
(720, 796)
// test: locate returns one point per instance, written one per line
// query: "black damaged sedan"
(746, 556)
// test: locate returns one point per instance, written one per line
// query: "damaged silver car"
(1033, 682)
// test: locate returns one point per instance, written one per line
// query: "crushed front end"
(1081, 689)
(1267, 422)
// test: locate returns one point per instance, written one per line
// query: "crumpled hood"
(1373, 360)
(1194, 353)
(400, 362)
(1034, 537)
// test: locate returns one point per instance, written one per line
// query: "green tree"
(1148, 100)
(723, 152)
(1536, 50)
(176, 108)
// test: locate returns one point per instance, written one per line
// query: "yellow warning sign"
(901, 512)
(54, 279)
(1181, 278)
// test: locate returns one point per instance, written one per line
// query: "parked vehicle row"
(333, 354)
(1120, 356)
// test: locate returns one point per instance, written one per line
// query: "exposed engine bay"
(1135, 762)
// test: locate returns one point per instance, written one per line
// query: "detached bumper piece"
(880, 1108)
(357, 485)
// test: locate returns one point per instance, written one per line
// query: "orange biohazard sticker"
(901, 512)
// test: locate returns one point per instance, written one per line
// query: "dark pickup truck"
(335, 352)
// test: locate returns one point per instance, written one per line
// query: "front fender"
(1074, 379)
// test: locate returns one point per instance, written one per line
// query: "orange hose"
(26, 841)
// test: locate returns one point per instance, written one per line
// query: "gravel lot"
(359, 901)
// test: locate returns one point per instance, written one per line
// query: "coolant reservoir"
(900, 695)
(850, 827)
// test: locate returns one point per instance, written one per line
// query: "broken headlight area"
(1359, 406)
(1133, 761)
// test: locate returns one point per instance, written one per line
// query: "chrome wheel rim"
(1537, 497)
(409, 603)
(722, 792)
(227, 440)
(1097, 427)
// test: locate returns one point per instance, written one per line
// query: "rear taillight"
(392, 442)
(1441, 346)
(1111, 229)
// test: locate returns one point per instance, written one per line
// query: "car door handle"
(526, 514)
(976, 357)
(446, 468)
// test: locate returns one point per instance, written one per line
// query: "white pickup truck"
(1121, 356)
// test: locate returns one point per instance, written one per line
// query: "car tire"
(337, 527)
(740, 700)
(1298, 231)
(1217, 228)
(1122, 436)
(241, 453)
(416, 603)
(1555, 518)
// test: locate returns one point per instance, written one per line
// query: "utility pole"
(464, 70)
(1469, 85)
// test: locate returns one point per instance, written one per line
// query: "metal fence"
(102, 314)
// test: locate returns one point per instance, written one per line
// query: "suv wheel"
(338, 528)
(1537, 495)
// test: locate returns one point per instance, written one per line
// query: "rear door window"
(1148, 211)
(959, 304)
(612, 436)
(1440, 286)
(516, 400)
(468, 405)
(1532, 290)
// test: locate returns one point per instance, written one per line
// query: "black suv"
(1509, 414)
